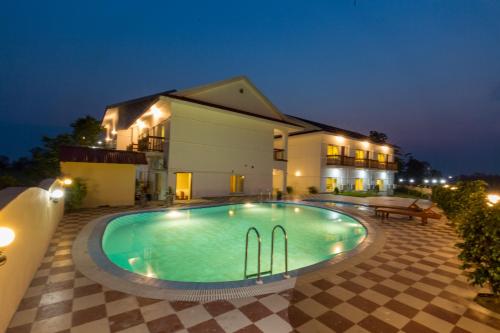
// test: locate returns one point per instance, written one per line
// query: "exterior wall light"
(56, 195)
(412, 180)
(114, 132)
(298, 173)
(6, 238)
(366, 144)
(442, 181)
(340, 138)
(434, 181)
(67, 181)
(426, 181)
(401, 180)
(493, 199)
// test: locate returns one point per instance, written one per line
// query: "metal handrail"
(286, 276)
(259, 280)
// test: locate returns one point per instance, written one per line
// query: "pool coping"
(90, 260)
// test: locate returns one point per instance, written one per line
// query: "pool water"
(208, 244)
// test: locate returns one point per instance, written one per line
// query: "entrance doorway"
(380, 184)
(358, 184)
(183, 182)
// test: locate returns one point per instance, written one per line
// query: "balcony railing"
(148, 143)
(360, 163)
(279, 155)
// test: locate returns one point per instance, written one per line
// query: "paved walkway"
(412, 285)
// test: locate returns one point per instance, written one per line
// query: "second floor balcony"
(148, 144)
(279, 155)
(360, 163)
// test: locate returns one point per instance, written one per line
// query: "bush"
(279, 195)
(456, 200)
(336, 191)
(75, 194)
(480, 231)
(289, 190)
(312, 190)
(406, 191)
(7, 181)
(377, 188)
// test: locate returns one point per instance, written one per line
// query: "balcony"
(279, 155)
(148, 144)
(359, 163)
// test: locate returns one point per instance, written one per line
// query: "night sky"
(427, 73)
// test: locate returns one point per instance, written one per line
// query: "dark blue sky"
(425, 72)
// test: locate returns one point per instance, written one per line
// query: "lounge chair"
(412, 206)
(424, 214)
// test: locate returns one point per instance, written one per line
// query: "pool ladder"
(259, 240)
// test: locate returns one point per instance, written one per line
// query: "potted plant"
(169, 197)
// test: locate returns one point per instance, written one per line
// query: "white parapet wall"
(33, 216)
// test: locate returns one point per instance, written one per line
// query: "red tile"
(363, 304)
(255, 311)
(87, 290)
(401, 308)
(323, 284)
(376, 325)
(217, 308)
(414, 327)
(439, 312)
(294, 316)
(168, 324)
(114, 295)
(209, 326)
(326, 299)
(87, 315)
(19, 329)
(419, 294)
(335, 321)
(354, 287)
(125, 320)
(181, 305)
(249, 329)
(52, 310)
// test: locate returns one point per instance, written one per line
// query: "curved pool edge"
(90, 260)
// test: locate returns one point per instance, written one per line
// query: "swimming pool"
(208, 244)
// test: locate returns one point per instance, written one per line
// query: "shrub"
(377, 188)
(75, 194)
(406, 191)
(480, 232)
(289, 190)
(7, 181)
(312, 190)
(456, 200)
(279, 195)
(336, 190)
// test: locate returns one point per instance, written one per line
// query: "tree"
(87, 131)
(378, 137)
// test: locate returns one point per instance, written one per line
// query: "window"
(331, 184)
(360, 154)
(381, 158)
(236, 183)
(358, 184)
(332, 150)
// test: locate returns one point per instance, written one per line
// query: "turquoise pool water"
(208, 244)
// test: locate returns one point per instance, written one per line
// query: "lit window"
(382, 158)
(236, 184)
(331, 184)
(332, 150)
(360, 154)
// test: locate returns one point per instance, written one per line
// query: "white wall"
(33, 217)
(304, 161)
(215, 144)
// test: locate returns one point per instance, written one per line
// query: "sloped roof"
(314, 126)
(97, 155)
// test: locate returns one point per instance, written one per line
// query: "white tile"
(275, 302)
(193, 315)
(274, 323)
(232, 321)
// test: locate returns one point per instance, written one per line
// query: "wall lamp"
(6, 238)
(56, 195)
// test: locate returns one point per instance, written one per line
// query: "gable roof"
(98, 155)
(314, 126)
(253, 100)
(129, 111)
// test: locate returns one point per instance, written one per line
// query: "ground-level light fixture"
(7, 236)
(401, 180)
(442, 181)
(56, 195)
(412, 180)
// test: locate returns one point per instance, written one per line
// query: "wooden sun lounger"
(424, 214)
(412, 206)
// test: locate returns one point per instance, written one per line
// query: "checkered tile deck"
(412, 285)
